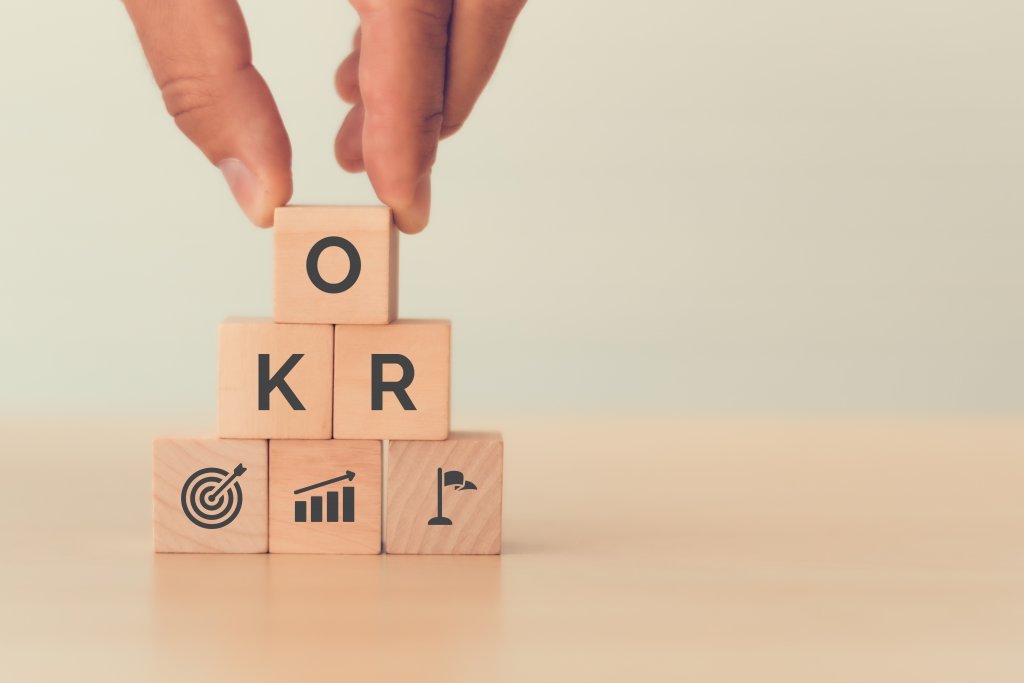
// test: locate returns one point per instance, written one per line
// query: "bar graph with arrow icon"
(313, 509)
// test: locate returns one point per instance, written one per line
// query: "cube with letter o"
(335, 265)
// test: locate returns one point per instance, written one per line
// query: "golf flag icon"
(450, 478)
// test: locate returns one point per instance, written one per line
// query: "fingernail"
(352, 165)
(247, 189)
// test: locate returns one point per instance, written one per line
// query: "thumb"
(201, 58)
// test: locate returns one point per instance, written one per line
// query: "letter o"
(313, 265)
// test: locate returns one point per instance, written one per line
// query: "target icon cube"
(210, 495)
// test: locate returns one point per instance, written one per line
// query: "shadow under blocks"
(305, 402)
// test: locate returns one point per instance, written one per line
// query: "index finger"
(200, 56)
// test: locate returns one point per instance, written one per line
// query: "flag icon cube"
(444, 497)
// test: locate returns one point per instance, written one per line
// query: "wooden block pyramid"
(306, 402)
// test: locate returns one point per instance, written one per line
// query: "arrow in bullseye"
(239, 471)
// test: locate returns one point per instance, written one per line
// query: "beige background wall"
(780, 206)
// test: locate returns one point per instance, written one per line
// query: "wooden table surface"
(710, 549)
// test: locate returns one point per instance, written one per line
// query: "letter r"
(378, 386)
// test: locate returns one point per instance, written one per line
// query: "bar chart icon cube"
(325, 496)
(335, 264)
(445, 497)
(209, 495)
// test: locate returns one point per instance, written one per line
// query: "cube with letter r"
(392, 381)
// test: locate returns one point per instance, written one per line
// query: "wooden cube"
(209, 495)
(392, 381)
(335, 264)
(444, 497)
(275, 380)
(325, 496)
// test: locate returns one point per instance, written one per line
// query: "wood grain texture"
(242, 340)
(427, 345)
(372, 299)
(300, 463)
(174, 461)
(412, 495)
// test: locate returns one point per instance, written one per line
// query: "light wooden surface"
(648, 549)
(475, 514)
(175, 460)
(242, 340)
(427, 346)
(372, 298)
(295, 464)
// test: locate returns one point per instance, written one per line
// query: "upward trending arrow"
(349, 474)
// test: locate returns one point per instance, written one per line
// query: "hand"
(416, 69)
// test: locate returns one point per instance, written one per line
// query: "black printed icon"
(211, 498)
(450, 478)
(316, 503)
